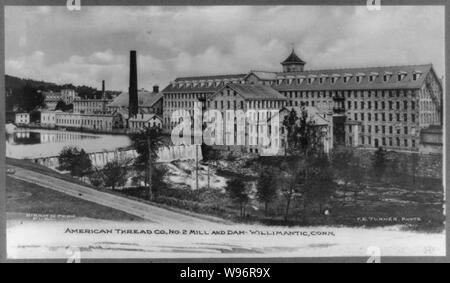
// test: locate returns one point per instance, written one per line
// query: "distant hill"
(20, 91)
(17, 83)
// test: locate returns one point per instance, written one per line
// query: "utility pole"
(149, 164)
(209, 179)
(196, 167)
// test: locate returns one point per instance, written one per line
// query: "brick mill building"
(367, 107)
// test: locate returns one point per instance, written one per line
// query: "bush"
(96, 180)
(74, 160)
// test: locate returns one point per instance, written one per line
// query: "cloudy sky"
(85, 47)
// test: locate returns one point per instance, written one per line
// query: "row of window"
(429, 118)
(45, 118)
(369, 129)
(348, 94)
(390, 117)
(216, 83)
(78, 122)
(142, 125)
(397, 142)
(382, 105)
(359, 78)
(177, 96)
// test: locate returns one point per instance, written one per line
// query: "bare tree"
(146, 143)
(267, 187)
(238, 192)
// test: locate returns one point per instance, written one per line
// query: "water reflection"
(29, 144)
(34, 137)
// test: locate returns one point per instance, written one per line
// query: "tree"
(158, 176)
(304, 136)
(414, 165)
(237, 191)
(289, 124)
(357, 173)
(292, 182)
(74, 160)
(379, 162)
(115, 173)
(320, 186)
(96, 179)
(146, 143)
(209, 155)
(342, 159)
(267, 187)
(61, 105)
(30, 98)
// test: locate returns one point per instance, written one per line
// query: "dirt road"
(146, 211)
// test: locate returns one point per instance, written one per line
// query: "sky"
(85, 47)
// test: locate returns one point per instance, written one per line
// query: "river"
(34, 143)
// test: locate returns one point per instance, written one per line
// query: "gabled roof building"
(368, 107)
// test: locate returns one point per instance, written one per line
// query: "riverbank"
(66, 177)
(375, 205)
(78, 130)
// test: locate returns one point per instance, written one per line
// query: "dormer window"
(290, 81)
(334, 78)
(311, 79)
(300, 79)
(416, 76)
(373, 77)
(322, 79)
(359, 77)
(401, 76)
(386, 77)
(279, 81)
(347, 78)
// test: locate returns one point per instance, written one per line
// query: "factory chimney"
(133, 106)
(103, 90)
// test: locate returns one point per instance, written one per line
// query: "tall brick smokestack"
(103, 89)
(133, 107)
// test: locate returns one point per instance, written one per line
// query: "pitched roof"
(264, 75)
(145, 99)
(144, 117)
(256, 92)
(293, 58)
(407, 82)
(212, 77)
(173, 87)
(92, 100)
